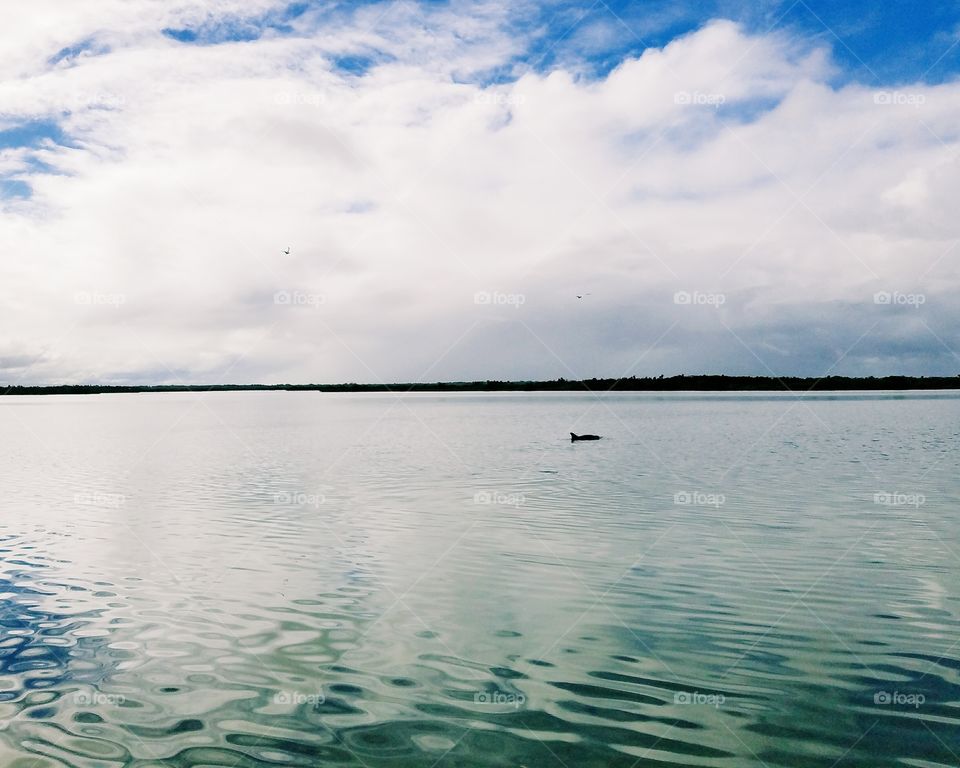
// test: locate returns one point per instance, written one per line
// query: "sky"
(477, 189)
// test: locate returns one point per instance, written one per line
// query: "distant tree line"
(681, 383)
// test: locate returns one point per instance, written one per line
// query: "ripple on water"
(282, 600)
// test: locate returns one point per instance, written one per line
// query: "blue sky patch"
(240, 29)
(227, 31)
(31, 134)
(73, 51)
(181, 35)
(884, 43)
(14, 189)
(875, 43)
(354, 65)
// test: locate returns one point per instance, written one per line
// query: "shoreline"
(698, 383)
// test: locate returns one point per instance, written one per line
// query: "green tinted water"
(262, 579)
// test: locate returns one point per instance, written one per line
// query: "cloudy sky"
(732, 187)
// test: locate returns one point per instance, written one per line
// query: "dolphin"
(574, 438)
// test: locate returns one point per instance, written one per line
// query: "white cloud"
(406, 191)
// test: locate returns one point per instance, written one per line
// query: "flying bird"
(581, 295)
(287, 251)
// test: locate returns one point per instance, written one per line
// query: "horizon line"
(676, 382)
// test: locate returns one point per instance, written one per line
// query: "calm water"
(263, 579)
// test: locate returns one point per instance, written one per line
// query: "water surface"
(271, 579)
